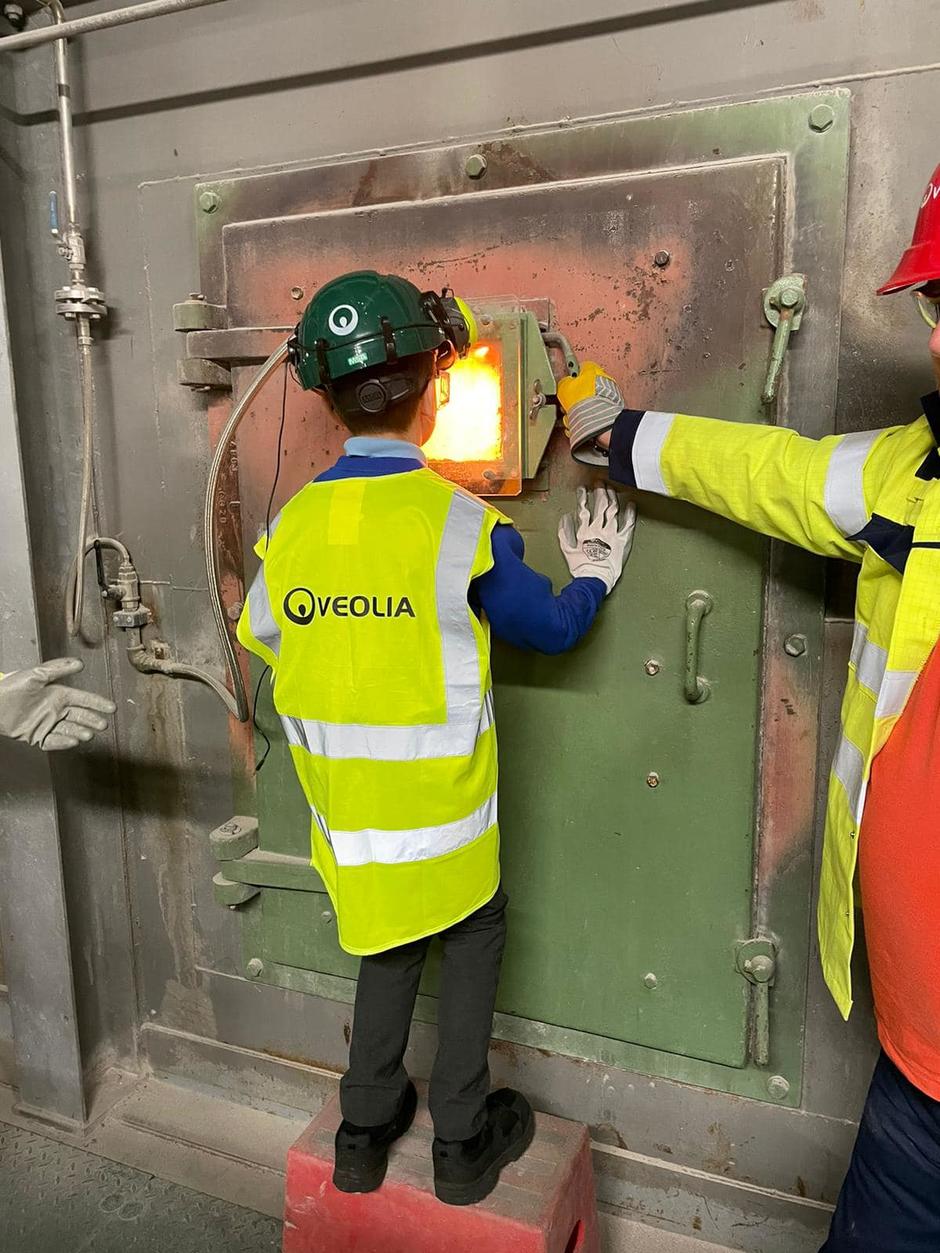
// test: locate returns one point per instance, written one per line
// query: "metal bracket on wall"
(757, 961)
(230, 841)
(196, 314)
(245, 869)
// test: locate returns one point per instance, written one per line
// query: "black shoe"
(466, 1171)
(362, 1152)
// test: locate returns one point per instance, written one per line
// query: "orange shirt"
(899, 868)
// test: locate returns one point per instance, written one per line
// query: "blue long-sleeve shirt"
(519, 603)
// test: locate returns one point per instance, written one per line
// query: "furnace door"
(627, 812)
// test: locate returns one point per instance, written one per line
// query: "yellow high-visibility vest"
(382, 683)
(856, 496)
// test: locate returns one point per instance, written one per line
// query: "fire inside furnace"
(470, 416)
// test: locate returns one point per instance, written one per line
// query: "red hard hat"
(921, 262)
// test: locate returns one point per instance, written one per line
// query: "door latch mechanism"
(784, 305)
(757, 961)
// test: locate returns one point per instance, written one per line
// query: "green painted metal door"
(627, 813)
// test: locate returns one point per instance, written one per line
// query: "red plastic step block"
(544, 1203)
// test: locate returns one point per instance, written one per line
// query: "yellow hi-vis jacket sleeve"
(814, 493)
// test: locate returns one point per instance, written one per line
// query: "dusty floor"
(59, 1199)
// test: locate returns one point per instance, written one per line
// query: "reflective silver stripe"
(467, 716)
(894, 692)
(844, 494)
(454, 567)
(870, 660)
(890, 687)
(373, 845)
(849, 769)
(454, 738)
(260, 618)
(647, 451)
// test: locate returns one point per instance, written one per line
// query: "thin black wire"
(277, 469)
(257, 725)
(267, 540)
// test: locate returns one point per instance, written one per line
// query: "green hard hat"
(368, 319)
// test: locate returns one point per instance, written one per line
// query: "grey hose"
(75, 594)
(210, 527)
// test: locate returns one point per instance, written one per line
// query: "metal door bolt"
(821, 118)
(778, 1087)
(255, 967)
(475, 165)
(209, 201)
(296, 293)
(327, 915)
(650, 981)
(652, 779)
(652, 667)
(662, 259)
(794, 645)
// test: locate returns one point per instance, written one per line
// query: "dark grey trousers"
(372, 1089)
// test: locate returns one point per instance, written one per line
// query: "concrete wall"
(241, 85)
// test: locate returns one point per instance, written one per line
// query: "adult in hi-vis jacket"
(873, 498)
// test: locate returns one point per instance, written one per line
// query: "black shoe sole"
(479, 1189)
(363, 1179)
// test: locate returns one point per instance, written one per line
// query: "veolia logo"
(302, 606)
(343, 320)
(932, 192)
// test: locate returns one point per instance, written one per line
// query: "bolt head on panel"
(821, 118)
(475, 165)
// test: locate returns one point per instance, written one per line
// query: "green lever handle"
(697, 605)
(784, 304)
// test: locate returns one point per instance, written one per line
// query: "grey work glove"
(592, 402)
(39, 710)
(597, 544)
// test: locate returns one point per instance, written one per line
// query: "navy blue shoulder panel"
(890, 540)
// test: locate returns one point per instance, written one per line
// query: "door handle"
(697, 605)
(784, 305)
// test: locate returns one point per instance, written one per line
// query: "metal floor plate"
(54, 1197)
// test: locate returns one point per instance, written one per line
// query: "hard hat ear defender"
(457, 324)
(414, 322)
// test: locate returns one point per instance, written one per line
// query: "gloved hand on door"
(38, 709)
(592, 402)
(597, 543)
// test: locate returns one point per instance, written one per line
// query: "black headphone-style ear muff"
(445, 311)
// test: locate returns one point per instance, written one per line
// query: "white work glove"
(594, 546)
(39, 710)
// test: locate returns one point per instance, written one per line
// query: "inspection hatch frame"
(814, 160)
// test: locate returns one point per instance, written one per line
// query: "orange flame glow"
(469, 422)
